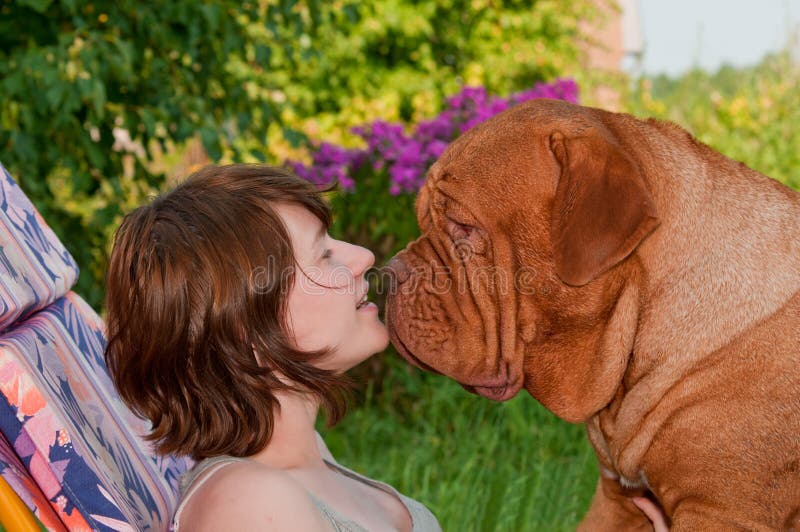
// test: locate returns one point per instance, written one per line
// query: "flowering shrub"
(406, 157)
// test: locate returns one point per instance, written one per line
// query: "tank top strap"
(191, 481)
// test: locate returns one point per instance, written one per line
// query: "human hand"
(653, 513)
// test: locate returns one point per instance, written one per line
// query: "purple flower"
(562, 89)
(435, 148)
(404, 178)
(381, 136)
(346, 182)
(440, 128)
(468, 98)
(331, 154)
(331, 163)
(411, 153)
(406, 157)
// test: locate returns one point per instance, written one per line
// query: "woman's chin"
(380, 343)
(374, 344)
(384, 342)
(371, 343)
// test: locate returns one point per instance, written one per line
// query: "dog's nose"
(398, 270)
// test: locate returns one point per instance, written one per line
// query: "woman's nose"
(365, 259)
(359, 259)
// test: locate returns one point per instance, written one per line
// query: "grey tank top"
(422, 519)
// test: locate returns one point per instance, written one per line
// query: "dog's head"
(527, 222)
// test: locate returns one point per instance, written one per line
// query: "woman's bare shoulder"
(252, 496)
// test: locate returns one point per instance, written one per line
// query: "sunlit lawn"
(477, 464)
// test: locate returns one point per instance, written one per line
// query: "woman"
(232, 316)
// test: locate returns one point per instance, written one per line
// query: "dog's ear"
(602, 209)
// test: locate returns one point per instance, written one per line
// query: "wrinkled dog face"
(504, 253)
(454, 311)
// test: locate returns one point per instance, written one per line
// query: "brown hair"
(196, 306)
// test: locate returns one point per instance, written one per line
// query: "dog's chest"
(609, 468)
(639, 483)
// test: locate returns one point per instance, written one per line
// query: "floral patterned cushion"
(82, 446)
(69, 447)
(35, 268)
(13, 472)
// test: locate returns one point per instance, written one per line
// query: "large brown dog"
(628, 277)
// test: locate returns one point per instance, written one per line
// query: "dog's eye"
(459, 230)
(467, 240)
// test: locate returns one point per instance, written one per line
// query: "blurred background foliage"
(396, 60)
(749, 114)
(103, 104)
(94, 92)
(100, 98)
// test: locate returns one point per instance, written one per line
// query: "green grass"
(477, 464)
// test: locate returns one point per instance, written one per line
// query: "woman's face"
(325, 304)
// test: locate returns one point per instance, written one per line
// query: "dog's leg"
(613, 510)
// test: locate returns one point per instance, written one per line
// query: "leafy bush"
(90, 91)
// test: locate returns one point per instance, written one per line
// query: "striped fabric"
(12, 470)
(67, 433)
(35, 268)
(73, 434)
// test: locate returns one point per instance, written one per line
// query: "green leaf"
(259, 154)
(296, 138)
(40, 6)
(211, 143)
